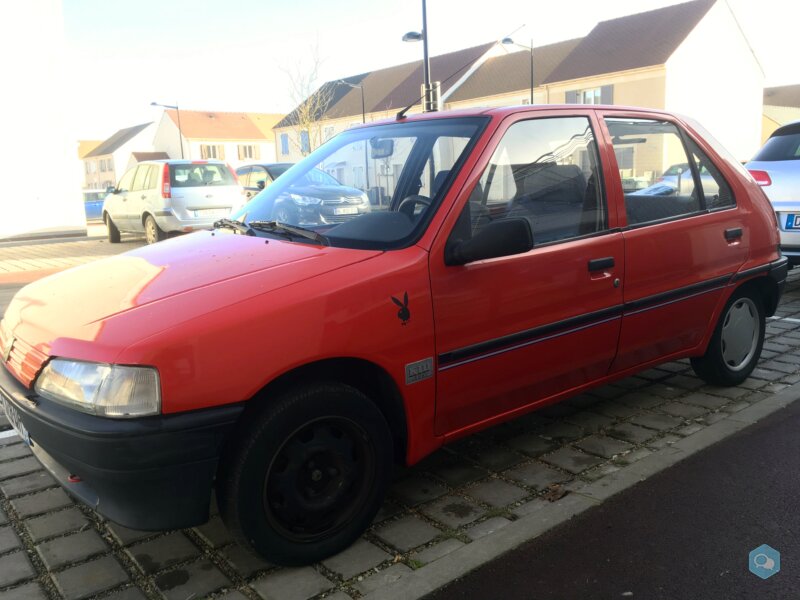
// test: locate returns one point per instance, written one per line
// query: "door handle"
(143, 196)
(598, 264)
(734, 233)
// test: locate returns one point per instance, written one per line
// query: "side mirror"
(261, 184)
(381, 148)
(111, 190)
(499, 238)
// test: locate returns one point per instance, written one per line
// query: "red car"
(521, 260)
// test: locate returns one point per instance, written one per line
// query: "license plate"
(212, 212)
(792, 221)
(16, 422)
(348, 210)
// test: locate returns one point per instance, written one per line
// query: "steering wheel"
(409, 203)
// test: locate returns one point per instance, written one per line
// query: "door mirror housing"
(111, 190)
(504, 237)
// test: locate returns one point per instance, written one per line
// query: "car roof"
(171, 161)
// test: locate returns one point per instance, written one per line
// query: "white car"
(162, 196)
(776, 168)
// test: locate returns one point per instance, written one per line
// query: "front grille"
(25, 361)
(338, 218)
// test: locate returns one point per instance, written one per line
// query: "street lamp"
(431, 100)
(180, 133)
(509, 42)
(363, 120)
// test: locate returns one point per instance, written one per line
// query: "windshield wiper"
(276, 227)
(231, 224)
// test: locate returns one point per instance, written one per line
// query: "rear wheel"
(735, 347)
(308, 475)
(152, 232)
(113, 233)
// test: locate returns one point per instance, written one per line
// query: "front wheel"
(307, 477)
(114, 236)
(735, 347)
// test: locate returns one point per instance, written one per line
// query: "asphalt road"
(685, 533)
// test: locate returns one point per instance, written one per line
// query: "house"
(781, 106)
(103, 166)
(682, 58)
(234, 137)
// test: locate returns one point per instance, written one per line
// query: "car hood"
(325, 192)
(89, 312)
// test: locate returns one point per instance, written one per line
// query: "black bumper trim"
(152, 473)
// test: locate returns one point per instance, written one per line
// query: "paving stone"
(15, 568)
(630, 433)
(458, 472)
(572, 460)
(734, 393)
(240, 596)
(415, 490)
(453, 511)
(590, 421)
(162, 552)
(383, 578)
(685, 382)
(765, 374)
(245, 562)
(34, 482)
(684, 411)
(29, 591)
(57, 523)
(666, 391)
(20, 466)
(603, 446)
(712, 418)
(70, 549)
(127, 536)
(633, 456)
(664, 442)
(556, 411)
(790, 379)
(8, 539)
(3, 517)
(214, 533)
(407, 532)
(532, 444)
(792, 359)
(640, 399)
(530, 507)
(359, 557)
(487, 527)
(437, 551)
(654, 421)
(497, 458)
(616, 410)
(89, 578)
(291, 584)
(774, 388)
(131, 593)
(561, 432)
(496, 492)
(14, 451)
(690, 429)
(598, 473)
(40, 502)
(752, 384)
(582, 400)
(705, 400)
(673, 367)
(653, 374)
(607, 392)
(783, 367)
(387, 511)
(536, 475)
(197, 580)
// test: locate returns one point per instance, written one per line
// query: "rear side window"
(784, 146)
(716, 191)
(198, 175)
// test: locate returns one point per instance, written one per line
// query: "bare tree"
(311, 100)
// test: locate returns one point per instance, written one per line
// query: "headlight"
(100, 389)
(304, 200)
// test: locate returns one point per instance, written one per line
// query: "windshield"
(373, 187)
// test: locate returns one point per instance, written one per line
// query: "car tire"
(152, 232)
(307, 476)
(114, 236)
(735, 346)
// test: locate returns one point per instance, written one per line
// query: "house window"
(249, 151)
(305, 146)
(328, 133)
(591, 96)
(598, 95)
(284, 143)
(212, 151)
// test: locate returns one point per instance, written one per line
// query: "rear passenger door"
(516, 329)
(683, 236)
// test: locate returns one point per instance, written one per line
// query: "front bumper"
(151, 473)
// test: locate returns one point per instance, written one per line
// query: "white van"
(161, 196)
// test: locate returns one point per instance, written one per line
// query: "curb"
(458, 563)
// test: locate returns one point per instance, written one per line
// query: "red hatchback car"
(526, 254)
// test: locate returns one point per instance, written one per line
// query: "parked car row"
(286, 366)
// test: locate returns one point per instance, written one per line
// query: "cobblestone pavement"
(51, 547)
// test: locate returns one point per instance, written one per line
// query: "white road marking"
(787, 319)
(7, 434)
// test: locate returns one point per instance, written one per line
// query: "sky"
(241, 55)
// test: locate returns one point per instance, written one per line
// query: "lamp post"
(180, 133)
(430, 100)
(509, 42)
(363, 120)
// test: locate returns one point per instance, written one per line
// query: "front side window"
(372, 187)
(545, 171)
(126, 181)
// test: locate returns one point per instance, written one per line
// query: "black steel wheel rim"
(319, 479)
